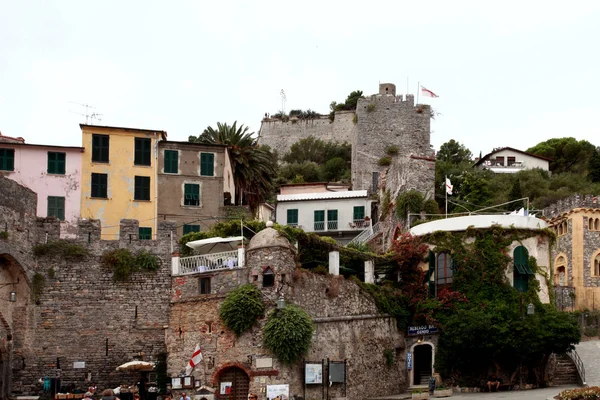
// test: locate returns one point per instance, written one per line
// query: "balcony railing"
(332, 225)
(209, 262)
(319, 226)
(359, 224)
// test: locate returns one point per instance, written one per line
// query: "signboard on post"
(280, 391)
(422, 330)
(409, 360)
(313, 373)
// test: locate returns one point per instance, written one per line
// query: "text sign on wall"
(409, 360)
(422, 330)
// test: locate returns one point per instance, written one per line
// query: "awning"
(215, 244)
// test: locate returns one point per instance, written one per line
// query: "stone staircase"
(566, 371)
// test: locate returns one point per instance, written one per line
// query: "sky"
(510, 73)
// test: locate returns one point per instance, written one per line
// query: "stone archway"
(232, 382)
(423, 363)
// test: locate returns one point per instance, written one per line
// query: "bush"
(61, 249)
(37, 286)
(585, 393)
(241, 308)
(371, 107)
(392, 150)
(123, 262)
(288, 333)
(4, 235)
(384, 161)
(409, 202)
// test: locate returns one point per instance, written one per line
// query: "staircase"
(366, 235)
(566, 371)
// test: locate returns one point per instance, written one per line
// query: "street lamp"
(530, 309)
(280, 303)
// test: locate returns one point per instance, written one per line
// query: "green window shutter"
(430, 274)
(100, 148)
(56, 207)
(359, 212)
(142, 188)
(207, 164)
(190, 228)
(319, 223)
(191, 194)
(332, 219)
(142, 151)
(56, 163)
(7, 159)
(292, 217)
(144, 233)
(99, 185)
(171, 161)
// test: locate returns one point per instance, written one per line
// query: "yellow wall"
(121, 172)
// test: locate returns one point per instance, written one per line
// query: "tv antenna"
(89, 116)
(283, 99)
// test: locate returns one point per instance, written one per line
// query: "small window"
(319, 224)
(510, 161)
(375, 182)
(100, 147)
(99, 186)
(142, 188)
(597, 224)
(332, 219)
(191, 194)
(56, 207)
(292, 217)
(56, 163)
(561, 271)
(443, 276)
(7, 159)
(268, 278)
(143, 151)
(190, 228)
(171, 161)
(144, 233)
(500, 161)
(207, 164)
(204, 284)
(597, 265)
(590, 224)
(359, 213)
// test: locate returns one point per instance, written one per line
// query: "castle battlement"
(570, 203)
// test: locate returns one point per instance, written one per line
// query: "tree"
(567, 154)
(594, 166)
(253, 165)
(453, 152)
(515, 194)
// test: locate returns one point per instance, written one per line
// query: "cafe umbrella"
(136, 365)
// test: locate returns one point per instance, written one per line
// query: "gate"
(235, 383)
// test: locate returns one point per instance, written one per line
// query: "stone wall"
(570, 203)
(280, 135)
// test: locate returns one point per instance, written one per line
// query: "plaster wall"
(528, 161)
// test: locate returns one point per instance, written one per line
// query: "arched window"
(590, 224)
(597, 265)
(521, 270)
(565, 228)
(443, 274)
(561, 271)
(597, 224)
(560, 229)
(268, 278)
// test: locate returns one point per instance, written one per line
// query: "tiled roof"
(349, 194)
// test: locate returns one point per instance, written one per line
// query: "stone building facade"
(576, 258)
(348, 327)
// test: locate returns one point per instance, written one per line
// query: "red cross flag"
(427, 92)
(195, 360)
(449, 186)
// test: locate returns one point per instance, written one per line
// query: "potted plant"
(420, 394)
(442, 391)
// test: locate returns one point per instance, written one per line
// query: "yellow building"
(119, 177)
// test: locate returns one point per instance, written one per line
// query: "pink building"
(53, 172)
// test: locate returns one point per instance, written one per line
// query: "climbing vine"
(241, 308)
(61, 249)
(288, 333)
(124, 263)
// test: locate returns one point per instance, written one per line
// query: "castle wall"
(280, 135)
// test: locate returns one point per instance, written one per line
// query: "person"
(493, 382)
(252, 396)
(108, 394)
(142, 390)
(184, 396)
(88, 396)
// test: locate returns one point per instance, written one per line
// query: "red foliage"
(448, 298)
(410, 252)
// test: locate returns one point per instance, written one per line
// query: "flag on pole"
(427, 92)
(195, 360)
(449, 186)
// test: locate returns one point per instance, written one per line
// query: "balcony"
(319, 226)
(208, 262)
(359, 224)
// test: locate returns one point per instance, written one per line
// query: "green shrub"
(241, 308)
(411, 201)
(388, 354)
(392, 150)
(355, 119)
(51, 273)
(585, 393)
(4, 235)
(123, 263)
(384, 161)
(61, 249)
(37, 286)
(288, 333)
(371, 107)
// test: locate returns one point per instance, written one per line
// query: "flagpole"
(446, 192)
(418, 90)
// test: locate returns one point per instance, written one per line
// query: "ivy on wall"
(241, 308)
(288, 333)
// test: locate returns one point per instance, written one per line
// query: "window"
(597, 224)
(375, 182)
(204, 284)
(144, 233)
(171, 162)
(7, 159)
(292, 217)
(99, 186)
(56, 163)
(207, 164)
(359, 213)
(100, 148)
(142, 188)
(190, 228)
(332, 219)
(319, 220)
(561, 271)
(191, 194)
(268, 278)
(597, 265)
(500, 161)
(510, 161)
(143, 151)
(521, 270)
(443, 275)
(56, 207)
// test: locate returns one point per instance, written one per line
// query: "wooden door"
(240, 384)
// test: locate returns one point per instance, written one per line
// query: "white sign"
(281, 392)
(313, 373)
(79, 364)
(226, 387)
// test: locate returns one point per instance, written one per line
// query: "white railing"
(209, 262)
(367, 234)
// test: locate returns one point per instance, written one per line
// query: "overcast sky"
(510, 73)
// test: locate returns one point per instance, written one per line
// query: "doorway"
(235, 383)
(423, 359)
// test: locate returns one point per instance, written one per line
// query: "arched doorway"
(235, 383)
(422, 363)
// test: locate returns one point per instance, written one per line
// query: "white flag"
(427, 92)
(448, 187)
(195, 360)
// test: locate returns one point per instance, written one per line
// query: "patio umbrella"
(136, 365)
(215, 244)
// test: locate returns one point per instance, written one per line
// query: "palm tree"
(253, 165)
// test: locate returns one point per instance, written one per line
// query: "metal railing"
(367, 234)
(208, 262)
(332, 225)
(319, 226)
(579, 364)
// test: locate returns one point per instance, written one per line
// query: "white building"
(324, 209)
(509, 161)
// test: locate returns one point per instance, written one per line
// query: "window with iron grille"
(100, 147)
(56, 163)
(143, 151)
(191, 194)
(56, 207)
(142, 188)
(99, 185)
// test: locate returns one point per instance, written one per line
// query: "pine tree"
(594, 167)
(515, 194)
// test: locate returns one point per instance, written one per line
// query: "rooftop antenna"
(88, 116)
(283, 99)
